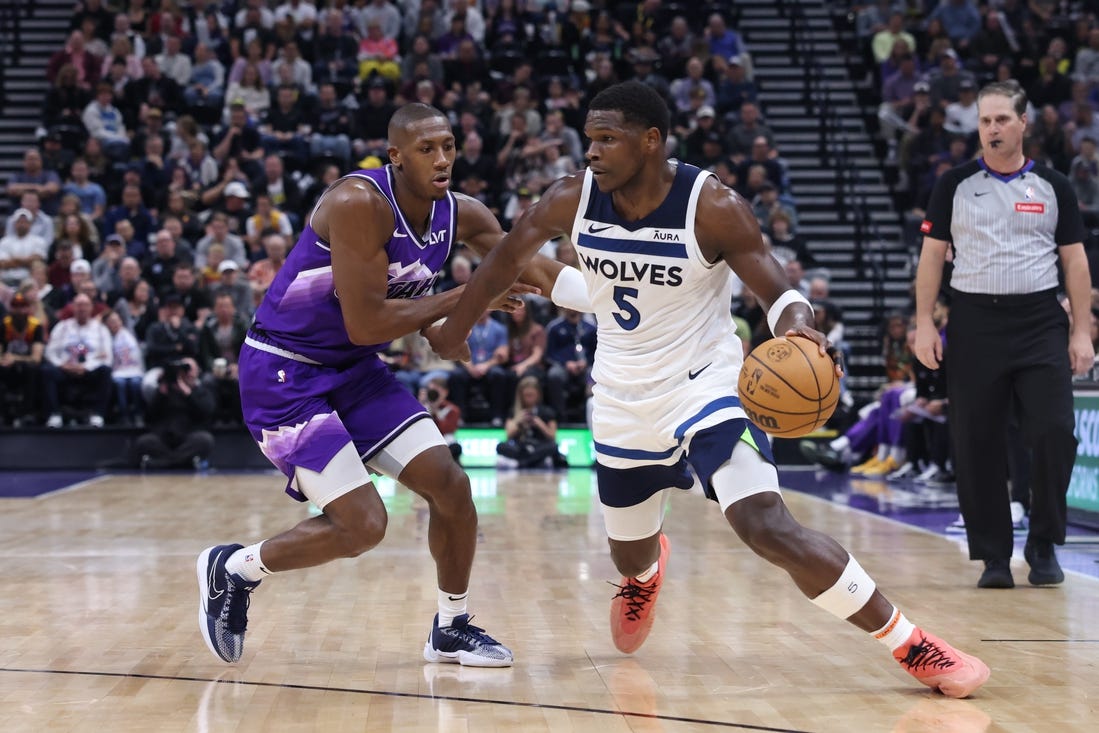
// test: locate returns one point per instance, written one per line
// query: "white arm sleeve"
(570, 291)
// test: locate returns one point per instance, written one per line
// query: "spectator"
(174, 63)
(336, 54)
(172, 337)
(241, 292)
(531, 430)
(196, 299)
(106, 268)
(744, 133)
(488, 344)
(137, 309)
(163, 260)
(86, 286)
(333, 125)
(64, 106)
(217, 230)
(22, 344)
(35, 179)
(960, 18)
(266, 219)
(684, 87)
(78, 359)
(105, 123)
(262, 272)
(446, 415)
(133, 210)
(249, 92)
(127, 371)
(85, 63)
(93, 199)
(20, 248)
(279, 185)
(570, 352)
(177, 416)
(219, 345)
(205, 88)
(286, 126)
(885, 40)
(378, 54)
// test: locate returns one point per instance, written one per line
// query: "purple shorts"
(303, 414)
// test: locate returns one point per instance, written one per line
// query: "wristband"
(789, 297)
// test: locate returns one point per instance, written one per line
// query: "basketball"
(787, 388)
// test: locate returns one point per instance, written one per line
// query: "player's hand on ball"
(445, 346)
(826, 346)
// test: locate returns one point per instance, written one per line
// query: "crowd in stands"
(929, 60)
(184, 143)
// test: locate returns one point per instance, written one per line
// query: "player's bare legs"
(634, 557)
(452, 527)
(813, 559)
(452, 539)
(833, 580)
(349, 526)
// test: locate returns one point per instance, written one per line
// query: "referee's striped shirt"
(1005, 228)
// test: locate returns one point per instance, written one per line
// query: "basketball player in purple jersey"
(658, 241)
(321, 404)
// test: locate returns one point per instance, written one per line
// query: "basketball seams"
(783, 390)
(783, 379)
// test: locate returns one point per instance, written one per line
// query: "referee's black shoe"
(997, 574)
(1044, 568)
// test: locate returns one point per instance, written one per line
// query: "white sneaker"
(95, 421)
(55, 421)
(907, 471)
(958, 525)
(929, 474)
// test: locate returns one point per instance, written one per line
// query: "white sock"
(646, 576)
(840, 444)
(896, 631)
(451, 605)
(883, 452)
(246, 563)
(898, 454)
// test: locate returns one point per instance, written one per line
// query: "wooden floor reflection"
(99, 623)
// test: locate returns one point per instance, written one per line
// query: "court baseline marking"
(413, 695)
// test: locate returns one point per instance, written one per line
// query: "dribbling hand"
(827, 348)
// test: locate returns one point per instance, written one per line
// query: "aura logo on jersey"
(635, 272)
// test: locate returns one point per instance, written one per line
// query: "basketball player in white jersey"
(658, 242)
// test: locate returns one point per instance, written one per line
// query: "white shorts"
(346, 471)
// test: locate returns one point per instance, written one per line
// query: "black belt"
(1010, 300)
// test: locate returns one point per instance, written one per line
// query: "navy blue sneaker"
(223, 603)
(466, 644)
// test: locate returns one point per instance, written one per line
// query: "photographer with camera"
(177, 415)
(531, 430)
(447, 415)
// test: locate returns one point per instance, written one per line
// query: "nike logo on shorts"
(692, 375)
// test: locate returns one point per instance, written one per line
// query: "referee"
(1008, 221)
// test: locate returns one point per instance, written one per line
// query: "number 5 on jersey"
(628, 316)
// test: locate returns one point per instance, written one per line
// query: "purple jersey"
(301, 312)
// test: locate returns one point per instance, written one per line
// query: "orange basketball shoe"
(938, 665)
(632, 608)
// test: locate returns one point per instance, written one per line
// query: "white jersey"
(662, 309)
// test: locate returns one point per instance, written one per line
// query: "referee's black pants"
(1004, 349)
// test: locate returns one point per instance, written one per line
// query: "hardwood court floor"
(98, 621)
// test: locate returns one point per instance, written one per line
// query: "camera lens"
(432, 395)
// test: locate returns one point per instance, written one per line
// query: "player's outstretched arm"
(479, 229)
(550, 217)
(357, 222)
